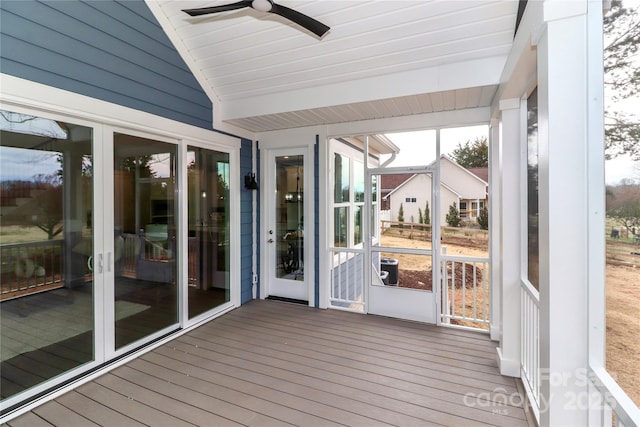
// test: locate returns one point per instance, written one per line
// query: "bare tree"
(623, 205)
(46, 209)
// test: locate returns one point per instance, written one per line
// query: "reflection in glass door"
(46, 250)
(208, 254)
(145, 244)
(290, 217)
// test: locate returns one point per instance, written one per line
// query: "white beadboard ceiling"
(380, 59)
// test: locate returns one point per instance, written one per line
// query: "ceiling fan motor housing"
(262, 5)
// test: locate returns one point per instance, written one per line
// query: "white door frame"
(267, 207)
(417, 305)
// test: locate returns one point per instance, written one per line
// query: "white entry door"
(404, 277)
(287, 206)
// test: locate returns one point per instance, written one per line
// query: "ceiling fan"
(269, 6)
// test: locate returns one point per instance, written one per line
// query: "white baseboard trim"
(508, 367)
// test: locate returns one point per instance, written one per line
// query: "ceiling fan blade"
(316, 27)
(215, 9)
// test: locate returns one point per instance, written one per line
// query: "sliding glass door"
(104, 233)
(145, 244)
(46, 250)
(208, 176)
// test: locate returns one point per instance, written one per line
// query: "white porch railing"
(27, 268)
(530, 345)
(609, 404)
(347, 284)
(466, 291)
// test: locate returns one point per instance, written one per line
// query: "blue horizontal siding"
(109, 50)
(316, 216)
(246, 219)
(348, 272)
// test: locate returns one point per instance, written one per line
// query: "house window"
(341, 184)
(358, 181)
(348, 198)
(463, 210)
(410, 199)
(340, 216)
(357, 229)
(532, 190)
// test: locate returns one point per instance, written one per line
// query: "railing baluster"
(345, 281)
(456, 309)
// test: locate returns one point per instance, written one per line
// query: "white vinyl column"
(563, 120)
(509, 248)
(495, 219)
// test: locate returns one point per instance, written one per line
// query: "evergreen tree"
(453, 216)
(401, 213)
(483, 218)
(427, 214)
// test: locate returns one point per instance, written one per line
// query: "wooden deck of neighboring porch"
(273, 363)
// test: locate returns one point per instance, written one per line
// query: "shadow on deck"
(274, 363)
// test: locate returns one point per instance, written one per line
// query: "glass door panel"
(46, 250)
(402, 284)
(144, 180)
(208, 176)
(290, 217)
(285, 225)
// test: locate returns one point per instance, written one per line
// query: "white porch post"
(495, 221)
(563, 211)
(509, 251)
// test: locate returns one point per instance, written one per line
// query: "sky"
(418, 148)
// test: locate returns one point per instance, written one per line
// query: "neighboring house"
(413, 194)
(155, 120)
(463, 187)
(472, 188)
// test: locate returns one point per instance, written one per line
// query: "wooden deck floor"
(272, 363)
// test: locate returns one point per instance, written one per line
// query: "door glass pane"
(145, 237)
(289, 233)
(46, 250)
(409, 228)
(208, 199)
(408, 211)
(404, 270)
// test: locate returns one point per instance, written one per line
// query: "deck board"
(273, 363)
(96, 411)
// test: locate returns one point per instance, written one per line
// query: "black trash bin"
(390, 265)
(384, 276)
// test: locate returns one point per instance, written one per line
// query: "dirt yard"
(623, 297)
